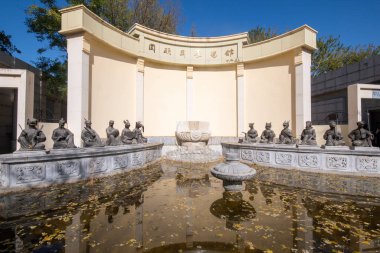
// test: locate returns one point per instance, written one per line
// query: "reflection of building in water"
(268, 193)
(191, 184)
(234, 210)
(354, 224)
(251, 187)
(23, 234)
(61, 219)
(323, 223)
(300, 219)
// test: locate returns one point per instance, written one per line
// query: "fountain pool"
(161, 208)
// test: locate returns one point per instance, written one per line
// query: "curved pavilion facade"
(160, 79)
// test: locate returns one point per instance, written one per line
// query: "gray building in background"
(329, 93)
(7, 61)
(45, 109)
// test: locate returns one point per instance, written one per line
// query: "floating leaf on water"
(238, 226)
(250, 245)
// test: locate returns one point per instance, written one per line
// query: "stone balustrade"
(23, 170)
(365, 162)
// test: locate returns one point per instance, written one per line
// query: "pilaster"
(354, 105)
(302, 63)
(77, 85)
(189, 93)
(240, 97)
(140, 90)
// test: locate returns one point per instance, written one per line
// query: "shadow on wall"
(48, 131)
(270, 92)
(112, 75)
(321, 129)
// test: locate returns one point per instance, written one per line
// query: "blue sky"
(357, 22)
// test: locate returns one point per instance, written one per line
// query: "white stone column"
(140, 90)
(78, 50)
(354, 104)
(240, 97)
(189, 93)
(302, 62)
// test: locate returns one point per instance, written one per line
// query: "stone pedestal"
(233, 173)
(194, 145)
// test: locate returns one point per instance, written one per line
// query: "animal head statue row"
(360, 136)
(32, 137)
(268, 135)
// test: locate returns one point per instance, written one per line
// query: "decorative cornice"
(179, 38)
(151, 45)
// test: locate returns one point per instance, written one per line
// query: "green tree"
(152, 14)
(6, 44)
(260, 33)
(115, 12)
(193, 31)
(54, 74)
(332, 54)
(44, 20)
(329, 55)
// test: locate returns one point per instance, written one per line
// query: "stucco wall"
(164, 98)
(269, 85)
(214, 99)
(48, 131)
(112, 87)
(217, 68)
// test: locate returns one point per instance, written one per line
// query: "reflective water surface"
(172, 207)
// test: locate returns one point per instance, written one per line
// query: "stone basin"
(189, 133)
(232, 172)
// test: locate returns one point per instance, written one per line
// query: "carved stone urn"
(233, 172)
(192, 133)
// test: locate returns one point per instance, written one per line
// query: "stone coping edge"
(58, 154)
(345, 162)
(27, 170)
